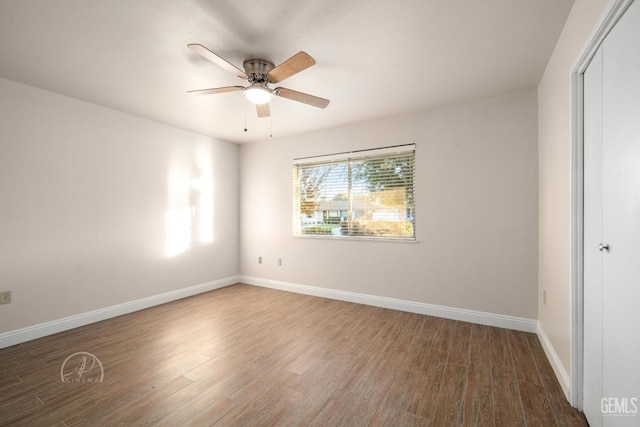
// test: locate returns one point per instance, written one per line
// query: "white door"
(612, 219)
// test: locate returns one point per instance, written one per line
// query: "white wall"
(476, 210)
(554, 115)
(84, 196)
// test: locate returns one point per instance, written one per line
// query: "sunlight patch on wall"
(189, 217)
(204, 186)
(178, 231)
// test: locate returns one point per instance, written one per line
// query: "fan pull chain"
(245, 115)
(270, 126)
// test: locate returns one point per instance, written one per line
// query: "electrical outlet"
(259, 260)
(544, 296)
(279, 262)
(5, 297)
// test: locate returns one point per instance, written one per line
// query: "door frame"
(612, 13)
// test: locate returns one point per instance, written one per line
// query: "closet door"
(621, 219)
(612, 228)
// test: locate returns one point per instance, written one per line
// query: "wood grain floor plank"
(144, 408)
(556, 397)
(523, 359)
(571, 421)
(444, 338)
(424, 398)
(397, 417)
(451, 403)
(460, 351)
(500, 349)
(478, 396)
(8, 380)
(508, 409)
(334, 412)
(209, 415)
(20, 413)
(552, 388)
(536, 407)
(480, 348)
(369, 394)
(479, 390)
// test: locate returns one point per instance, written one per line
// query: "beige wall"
(554, 152)
(85, 196)
(476, 210)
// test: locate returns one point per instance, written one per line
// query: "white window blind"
(368, 193)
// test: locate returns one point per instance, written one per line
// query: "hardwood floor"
(245, 355)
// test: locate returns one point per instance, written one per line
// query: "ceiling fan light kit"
(258, 94)
(260, 73)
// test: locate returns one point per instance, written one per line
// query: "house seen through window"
(368, 193)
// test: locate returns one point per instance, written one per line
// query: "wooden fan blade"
(218, 60)
(215, 90)
(294, 95)
(291, 66)
(263, 110)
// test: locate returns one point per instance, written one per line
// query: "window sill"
(356, 238)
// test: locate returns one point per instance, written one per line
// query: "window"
(360, 194)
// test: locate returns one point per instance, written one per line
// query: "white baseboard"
(491, 319)
(43, 329)
(483, 318)
(556, 364)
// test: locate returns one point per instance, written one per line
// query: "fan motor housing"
(257, 69)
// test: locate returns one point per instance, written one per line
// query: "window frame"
(349, 158)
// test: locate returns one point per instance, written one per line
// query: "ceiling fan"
(260, 73)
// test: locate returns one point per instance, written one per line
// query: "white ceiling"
(375, 58)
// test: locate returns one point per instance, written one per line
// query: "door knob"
(602, 247)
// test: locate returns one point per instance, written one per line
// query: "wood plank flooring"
(245, 355)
